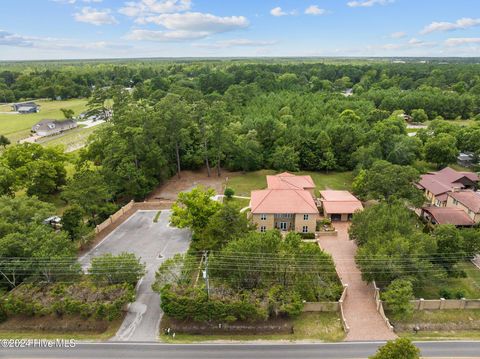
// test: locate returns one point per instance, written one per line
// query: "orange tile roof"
(282, 201)
(287, 180)
(340, 202)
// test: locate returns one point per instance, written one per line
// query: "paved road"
(239, 351)
(359, 307)
(140, 235)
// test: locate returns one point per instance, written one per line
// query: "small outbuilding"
(339, 205)
(26, 107)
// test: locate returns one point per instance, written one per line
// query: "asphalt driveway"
(153, 243)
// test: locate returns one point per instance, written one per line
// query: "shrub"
(397, 296)
(446, 293)
(401, 348)
(124, 268)
(82, 298)
(229, 192)
(307, 235)
(193, 304)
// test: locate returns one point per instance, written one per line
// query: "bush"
(401, 348)
(82, 298)
(187, 303)
(306, 235)
(229, 192)
(397, 297)
(124, 268)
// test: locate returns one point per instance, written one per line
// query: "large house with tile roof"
(437, 185)
(286, 204)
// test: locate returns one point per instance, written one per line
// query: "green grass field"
(470, 285)
(308, 326)
(16, 126)
(70, 140)
(243, 184)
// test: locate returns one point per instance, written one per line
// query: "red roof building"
(447, 215)
(437, 185)
(339, 205)
(287, 204)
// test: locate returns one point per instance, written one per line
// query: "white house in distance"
(53, 127)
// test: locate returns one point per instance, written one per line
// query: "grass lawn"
(308, 326)
(470, 285)
(16, 126)
(110, 332)
(243, 184)
(446, 319)
(70, 140)
(237, 202)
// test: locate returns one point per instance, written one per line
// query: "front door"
(283, 226)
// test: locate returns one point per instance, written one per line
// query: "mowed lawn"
(70, 140)
(16, 126)
(243, 184)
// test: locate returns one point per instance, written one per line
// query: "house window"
(455, 202)
(305, 217)
(305, 229)
(263, 229)
(263, 217)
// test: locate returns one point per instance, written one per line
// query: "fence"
(379, 305)
(445, 304)
(321, 306)
(114, 217)
(346, 328)
(330, 307)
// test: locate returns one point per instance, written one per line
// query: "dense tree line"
(393, 246)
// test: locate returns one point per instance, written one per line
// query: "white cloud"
(95, 17)
(164, 36)
(198, 22)
(236, 43)
(459, 41)
(398, 35)
(314, 10)
(277, 11)
(463, 23)
(413, 43)
(151, 7)
(368, 3)
(10, 39)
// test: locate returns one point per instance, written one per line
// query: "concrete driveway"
(153, 243)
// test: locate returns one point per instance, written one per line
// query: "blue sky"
(68, 29)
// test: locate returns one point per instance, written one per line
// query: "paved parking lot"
(153, 243)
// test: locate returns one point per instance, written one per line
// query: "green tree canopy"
(193, 209)
(386, 181)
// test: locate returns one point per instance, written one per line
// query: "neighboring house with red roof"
(447, 215)
(287, 204)
(468, 201)
(437, 185)
(339, 205)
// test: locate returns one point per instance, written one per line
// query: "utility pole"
(205, 275)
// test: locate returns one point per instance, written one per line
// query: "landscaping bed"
(82, 299)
